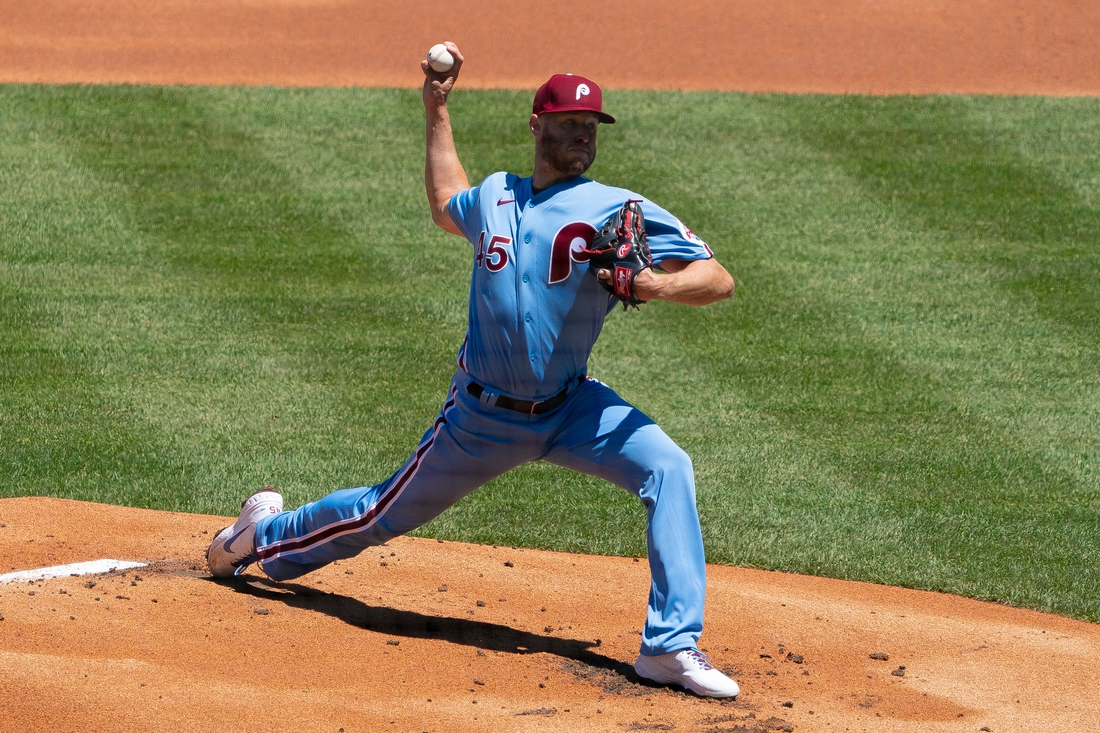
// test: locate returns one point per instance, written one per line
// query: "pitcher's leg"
(609, 438)
(448, 464)
(677, 561)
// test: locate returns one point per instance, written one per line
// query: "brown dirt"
(875, 46)
(374, 644)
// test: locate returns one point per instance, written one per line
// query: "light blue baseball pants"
(595, 432)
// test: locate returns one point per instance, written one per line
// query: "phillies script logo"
(569, 246)
(582, 91)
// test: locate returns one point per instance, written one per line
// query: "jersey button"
(525, 278)
(532, 357)
(527, 318)
(527, 238)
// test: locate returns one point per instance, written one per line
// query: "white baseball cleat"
(233, 548)
(688, 668)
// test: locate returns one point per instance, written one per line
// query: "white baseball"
(440, 59)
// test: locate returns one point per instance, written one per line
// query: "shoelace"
(700, 659)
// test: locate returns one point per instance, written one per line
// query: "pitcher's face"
(566, 140)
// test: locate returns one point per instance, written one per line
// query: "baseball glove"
(621, 246)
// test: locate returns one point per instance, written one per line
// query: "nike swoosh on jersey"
(502, 202)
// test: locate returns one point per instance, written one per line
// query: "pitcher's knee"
(664, 461)
(662, 454)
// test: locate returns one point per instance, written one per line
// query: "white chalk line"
(91, 567)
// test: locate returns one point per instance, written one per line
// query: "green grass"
(904, 390)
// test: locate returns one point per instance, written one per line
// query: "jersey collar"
(554, 190)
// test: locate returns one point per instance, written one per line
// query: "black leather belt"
(524, 406)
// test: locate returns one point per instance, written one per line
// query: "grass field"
(206, 290)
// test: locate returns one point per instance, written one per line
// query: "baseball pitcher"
(552, 256)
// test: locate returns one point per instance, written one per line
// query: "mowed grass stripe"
(60, 434)
(900, 392)
(243, 274)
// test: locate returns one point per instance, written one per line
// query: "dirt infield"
(423, 636)
(834, 46)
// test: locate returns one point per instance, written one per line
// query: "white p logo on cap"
(582, 91)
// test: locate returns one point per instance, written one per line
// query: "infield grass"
(206, 290)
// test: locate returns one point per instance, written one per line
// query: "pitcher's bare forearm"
(443, 172)
(696, 282)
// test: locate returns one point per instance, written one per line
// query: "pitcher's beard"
(570, 165)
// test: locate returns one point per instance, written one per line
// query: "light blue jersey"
(535, 309)
(521, 394)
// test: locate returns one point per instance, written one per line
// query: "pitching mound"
(420, 635)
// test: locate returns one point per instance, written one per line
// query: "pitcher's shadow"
(411, 624)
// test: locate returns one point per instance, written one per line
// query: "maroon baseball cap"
(569, 93)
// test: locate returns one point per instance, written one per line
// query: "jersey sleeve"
(465, 212)
(669, 239)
